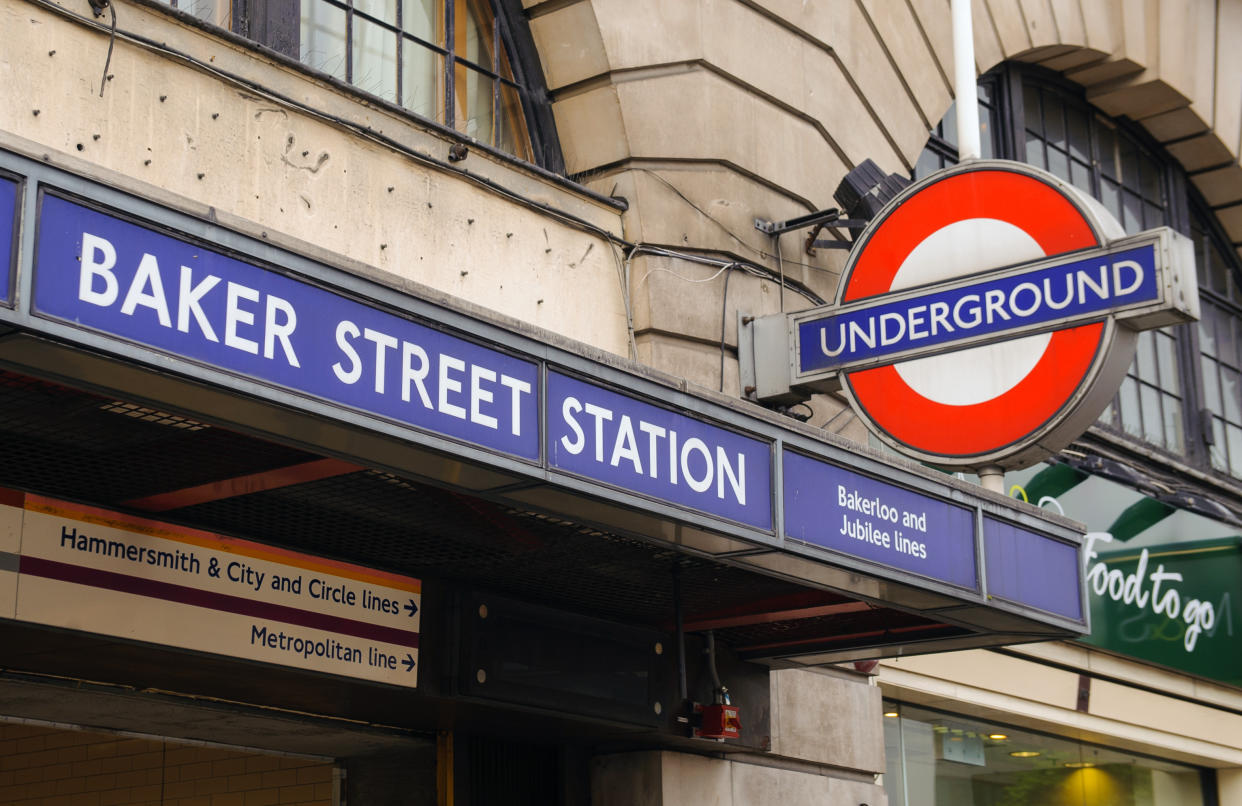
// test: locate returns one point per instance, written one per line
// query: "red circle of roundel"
(928, 426)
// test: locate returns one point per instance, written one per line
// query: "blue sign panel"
(8, 226)
(1085, 288)
(837, 509)
(1031, 569)
(129, 281)
(651, 450)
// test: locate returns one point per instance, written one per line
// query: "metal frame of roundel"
(1071, 382)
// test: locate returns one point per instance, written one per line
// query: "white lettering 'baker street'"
(663, 454)
(463, 390)
(247, 312)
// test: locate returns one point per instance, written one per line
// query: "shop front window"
(938, 759)
(444, 60)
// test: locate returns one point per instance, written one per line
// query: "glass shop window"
(937, 759)
(443, 60)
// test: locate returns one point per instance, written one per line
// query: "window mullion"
(450, 63)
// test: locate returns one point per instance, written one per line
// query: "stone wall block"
(1228, 88)
(569, 44)
(1041, 24)
(827, 719)
(903, 39)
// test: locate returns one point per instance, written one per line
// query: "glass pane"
(1234, 435)
(1058, 163)
(422, 81)
(1054, 121)
(419, 17)
(1035, 151)
(322, 43)
(1109, 415)
(385, 10)
(1080, 176)
(949, 125)
(1128, 398)
(1079, 134)
(1106, 141)
(1153, 216)
(1129, 163)
(216, 12)
(511, 129)
(474, 41)
(929, 163)
(987, 133)
(1227, 338)
(1031, 110)
(943, 759)
(1132, 212)
(1145, 357)
(375, 59)
(1166, 356)
(1207, 328)
(1150, 179)
(1211, 386)
(473, 104)
(1231, 394)
(1173, 437)
(1110, 195)
(1219, 450)
(1218, 273)
(1153, 425)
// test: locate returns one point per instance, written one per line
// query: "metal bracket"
(775, 228)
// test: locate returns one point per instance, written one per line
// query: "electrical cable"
(563, 216)
(103, 81)
(719, 223)
(724, 307)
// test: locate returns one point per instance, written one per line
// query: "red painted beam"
(245, 485)
(772, 616)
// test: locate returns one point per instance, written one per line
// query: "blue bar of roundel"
(1033, 570)
(8, 225)
(837, 509)
(454, 367)
(811, 356)
(627, 443)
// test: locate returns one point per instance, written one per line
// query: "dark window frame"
(275, 24)
(1010, 85)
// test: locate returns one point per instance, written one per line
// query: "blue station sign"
(308, 337)
(144, 286)
(634, 445)
(1074, 289)
(839, 509)
(8, 240)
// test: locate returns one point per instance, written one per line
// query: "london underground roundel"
(988, 314)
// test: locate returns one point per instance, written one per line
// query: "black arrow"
(408, 662)
(411, 608)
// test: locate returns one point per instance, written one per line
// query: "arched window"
(1183, 393)
(468, 65)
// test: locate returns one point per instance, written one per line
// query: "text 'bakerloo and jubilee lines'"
(880, 528)
(829, 506)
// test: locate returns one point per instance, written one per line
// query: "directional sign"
(86, 569)
(986, 316)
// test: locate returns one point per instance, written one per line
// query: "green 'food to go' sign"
(1176, 604)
